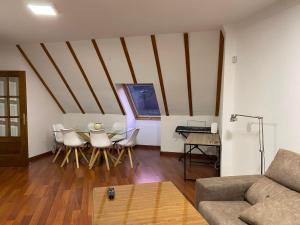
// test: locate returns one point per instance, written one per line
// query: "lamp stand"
(261, 137)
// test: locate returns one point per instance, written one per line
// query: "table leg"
(217, 163)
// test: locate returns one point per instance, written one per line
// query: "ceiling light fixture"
(42, 9)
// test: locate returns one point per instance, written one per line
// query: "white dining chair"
(101, 144)
(59, 139)
(127, 145)
(72, 141)
(119, 131)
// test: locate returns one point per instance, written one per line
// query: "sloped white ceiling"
(72, 74)
(172, 59)
(114, 57)
(203, 46)
(96, 75)
(143, 61)
(40, 60)
(204, 49)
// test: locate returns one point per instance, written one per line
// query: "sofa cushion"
(285, 169)
(223, 212)
(263, 188)
(281, 210)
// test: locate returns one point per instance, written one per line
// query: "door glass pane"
(3, 105)
(15, 127)
(3, 86)
(13, 86)
(3, 127)
(14, 106)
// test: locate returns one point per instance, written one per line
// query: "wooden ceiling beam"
(122, 39)
(84, 76)
(220, 72)
(40, 78)
(188, 71)
(62, 76)
(160, 77)
(108, 75)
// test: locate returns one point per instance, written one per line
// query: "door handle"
(24, 119)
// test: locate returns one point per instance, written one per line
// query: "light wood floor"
(44, 193)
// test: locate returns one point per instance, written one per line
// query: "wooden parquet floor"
(44, 193)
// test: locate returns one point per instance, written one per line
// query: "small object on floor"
(111, 193)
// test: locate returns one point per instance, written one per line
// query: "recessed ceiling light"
(42, 9)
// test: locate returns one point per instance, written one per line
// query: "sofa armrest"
(223, 188)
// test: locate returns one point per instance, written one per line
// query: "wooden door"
(13, 122)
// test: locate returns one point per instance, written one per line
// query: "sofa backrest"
(285, 169)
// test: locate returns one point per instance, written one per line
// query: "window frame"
(133, 107)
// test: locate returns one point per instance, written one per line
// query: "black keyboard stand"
(185, 131)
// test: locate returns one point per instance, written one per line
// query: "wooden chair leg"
(83, 155)
(112, 158)
(76, 158)
(66, 158)
(119, 157)
(130, 158)
(57, 153)
(93, 154)
(94, 159)
(106, 159)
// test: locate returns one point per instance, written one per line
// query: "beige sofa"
(273, 199)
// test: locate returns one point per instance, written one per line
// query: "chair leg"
(106, 159)
(76, 157)
(130, 158)
(83, 155)
(111, 157)
(66, 158)
(132, 150)
(93, 160)
(119, 157)
(57, 153)
(93, 154)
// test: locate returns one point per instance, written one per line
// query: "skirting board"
(174, 154)
(40, 156)
(148, 147)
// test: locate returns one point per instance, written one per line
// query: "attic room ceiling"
(79, 20)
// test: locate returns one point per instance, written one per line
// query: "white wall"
(267, 83)
(150, 132)
(227, 102)
(42, 111)
(125, 103)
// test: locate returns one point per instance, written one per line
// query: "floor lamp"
(234, 117)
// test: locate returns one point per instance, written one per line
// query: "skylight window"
(43, 9)
(143, 101)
